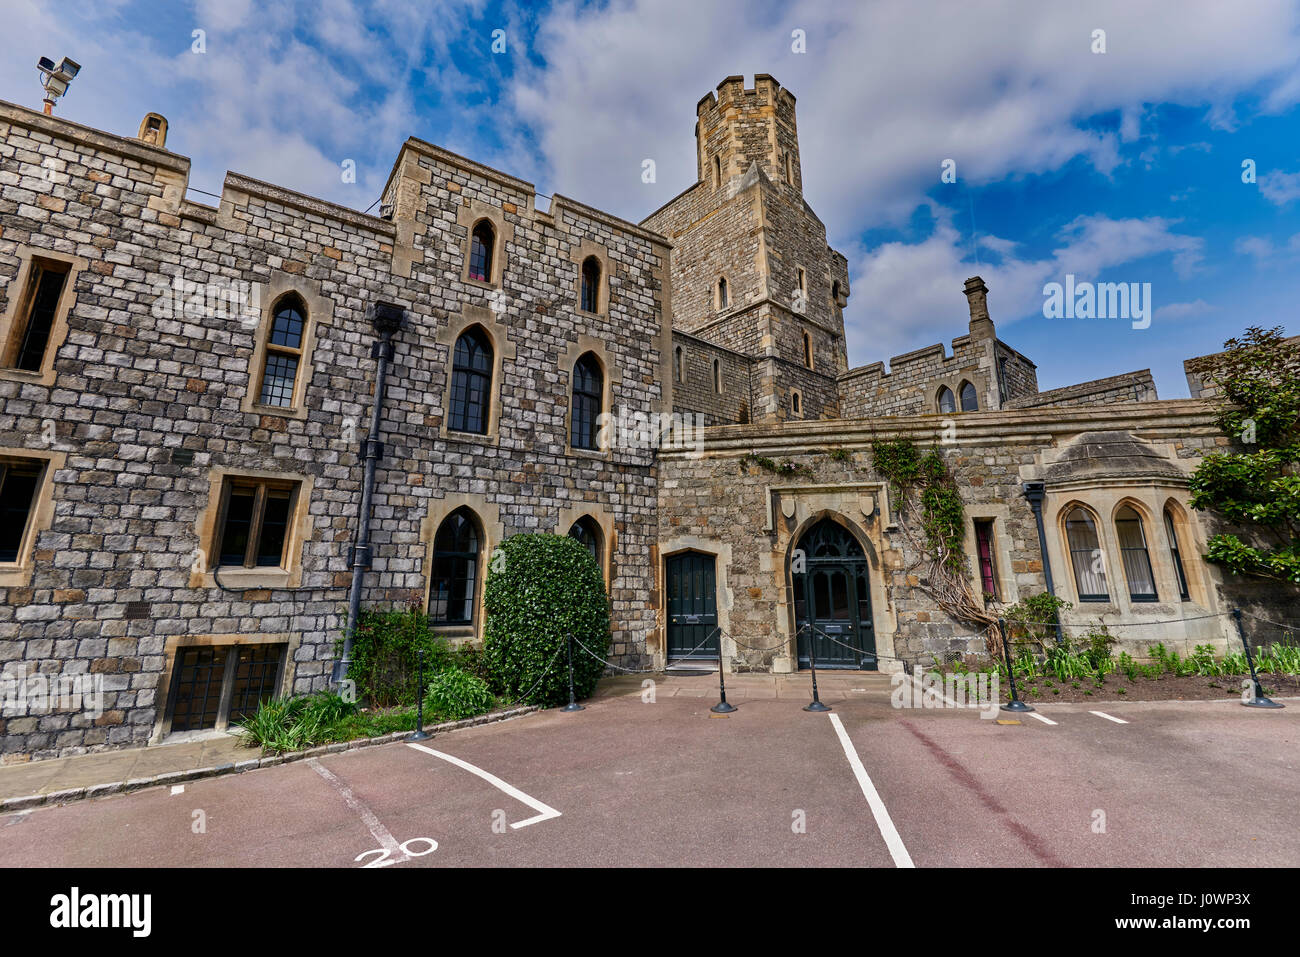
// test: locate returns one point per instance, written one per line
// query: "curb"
(68, 795)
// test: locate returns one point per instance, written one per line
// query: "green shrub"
(385, 653)
(544, 589)
(290, 724)
(1035, 618)
(455, 694)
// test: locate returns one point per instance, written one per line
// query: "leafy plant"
(291, 724)
(455, 694)
(1256, 485)
(385, 653)
(546, 589)
(1035, 618)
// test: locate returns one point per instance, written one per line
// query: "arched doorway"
(832, 597)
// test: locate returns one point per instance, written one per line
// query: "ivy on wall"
(931, 517)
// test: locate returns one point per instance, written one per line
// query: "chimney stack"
(981, 326)
(153, 130)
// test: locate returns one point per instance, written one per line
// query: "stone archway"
(830, 578)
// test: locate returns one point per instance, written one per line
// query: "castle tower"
(752, 274)
(740, 127)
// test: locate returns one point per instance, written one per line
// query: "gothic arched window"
(587, 532)
(471, 383)
(1133, 550)
(283, 352)
(590, 284)
(481, 243)
(947, 403)
(969, 398)
(1086, 557)
(588, 389)
(453, 584)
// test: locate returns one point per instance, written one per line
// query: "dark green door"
(832, 600)
(692, 607)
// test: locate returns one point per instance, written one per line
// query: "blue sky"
(1123, 166)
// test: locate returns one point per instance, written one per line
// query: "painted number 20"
(383, 860)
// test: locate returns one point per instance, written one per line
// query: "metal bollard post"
(1259, 701)
(1015, 704)
(812, 662)
(420, 733)
(722, 707)
(573, 701)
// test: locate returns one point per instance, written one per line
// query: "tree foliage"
(1255, 485)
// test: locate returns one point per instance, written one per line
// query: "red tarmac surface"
(1186, 784)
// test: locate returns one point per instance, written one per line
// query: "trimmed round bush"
(541, 589)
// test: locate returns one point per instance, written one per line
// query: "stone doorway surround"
(863, 508)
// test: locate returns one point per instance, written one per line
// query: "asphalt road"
(1179, 784)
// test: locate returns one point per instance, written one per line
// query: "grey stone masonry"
(119, 575)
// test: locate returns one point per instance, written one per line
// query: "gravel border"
(68, 795)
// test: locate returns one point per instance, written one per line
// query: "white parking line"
(1103, 714)
(368, 817)
(887, 830)
(1035, 714)
(545, 811)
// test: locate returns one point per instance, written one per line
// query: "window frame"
(40, 513)
(15, 321)
(210, 529)
(471, 560)
(1071, 551)
(262, 487)
(228, 647)
(1176, 554)
(475, 332)
(598, 396)
(961, 396)
(490, 250)
(269, 349)
(989, 542)
(317, 312)
(1145, 549)
(946, 393)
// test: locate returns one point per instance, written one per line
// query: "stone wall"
(911, 384)
(117, 581)
(1128, 387)
(726, 503)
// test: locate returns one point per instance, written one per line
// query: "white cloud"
(1184, 310)
(1280, 188)
(910, 294)
(1265, 252)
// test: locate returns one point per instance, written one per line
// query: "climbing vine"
(784, 467)
(932, 520)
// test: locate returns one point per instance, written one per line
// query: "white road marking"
(178, 789)
(887, 830)
(377, 830)
(1035, 714)
(1103, 714)
(544, 811)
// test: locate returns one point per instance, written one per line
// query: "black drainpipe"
(387, 320)
(1035, 492)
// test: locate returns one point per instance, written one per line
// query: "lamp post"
(1035, 493)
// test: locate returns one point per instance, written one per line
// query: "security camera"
(55, 79)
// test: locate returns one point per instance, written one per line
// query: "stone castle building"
(187, 391)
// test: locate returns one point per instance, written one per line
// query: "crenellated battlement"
(740, 126)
